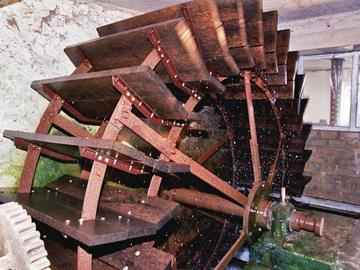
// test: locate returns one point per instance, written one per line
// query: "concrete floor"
(339, 245)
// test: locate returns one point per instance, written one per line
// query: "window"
(331, 87)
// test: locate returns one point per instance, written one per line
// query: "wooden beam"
(171, 152)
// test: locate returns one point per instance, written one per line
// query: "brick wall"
(334, 166)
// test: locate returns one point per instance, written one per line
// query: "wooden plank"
(271, 63)
(258, 55)
(157, 16)
(211, 36)
(279, 78)
(117, 149)
(292, 62)
(270, 40)
(232, 16)
(282, 46)
(139, 257)
(63, 212)
(93, 94)
(153, 210)
(243, 57)
(232, 251)
(131, 48)
(233, 19)
(253, 11)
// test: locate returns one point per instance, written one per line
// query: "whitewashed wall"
(33, 34)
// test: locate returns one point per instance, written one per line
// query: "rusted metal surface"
(264, 214)
(203, 200)
(254, 146)
(259, 192)
(300, 221)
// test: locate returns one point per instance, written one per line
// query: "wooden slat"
(232, 17)
(270, 40)
(63, 212)
(157, 16)
(279, 78)
(211, 36)
(253, 10)
(282, 46)
(94, 96)
(292, 62)
(153, 210)
(139, 257)
(112, 149)
(131, 48)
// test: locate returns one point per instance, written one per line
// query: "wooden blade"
(232, 251)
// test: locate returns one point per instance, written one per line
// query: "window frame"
(352, 127)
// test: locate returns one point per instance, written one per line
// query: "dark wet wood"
(63, 212)
(233, 19)
(107, 148)
(151, 209)
(121, 215)
(139, 257)
(211, 36)
(292, 62)
(131, 47)
(299, 86)
(279, 78)
(153, 17)
(270, 39)
(282, 46)
(253, 11)
(94, 96)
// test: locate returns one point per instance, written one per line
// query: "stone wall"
(334, 166)
(33, 34)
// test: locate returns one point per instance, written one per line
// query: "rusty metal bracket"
(254, 146)
(283, 135)
(169, 66)
(137, 101)
(110, 161)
